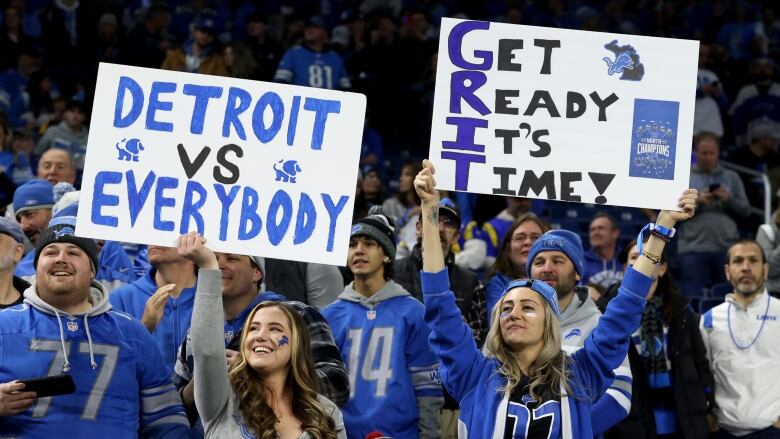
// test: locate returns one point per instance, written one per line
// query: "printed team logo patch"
(245, 433)
(65, 231)
(229, 334)
(576, 332)
(357, 228)
(654, 139)
(371, 315)
(72, 326)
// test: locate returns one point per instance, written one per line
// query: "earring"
(387, 259)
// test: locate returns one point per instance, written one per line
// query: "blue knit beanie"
(33, 195)
(569, 243)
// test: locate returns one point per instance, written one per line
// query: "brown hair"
(410, 197)
(705, 135)
(503, 262)
(252, 391)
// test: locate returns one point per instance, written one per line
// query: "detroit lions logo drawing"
(288, 171)
(626, 62)
(623, 61)
(576, 332)
(129, 149)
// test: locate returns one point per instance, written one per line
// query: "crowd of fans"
(387, 49)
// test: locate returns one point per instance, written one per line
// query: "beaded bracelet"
(655, 259)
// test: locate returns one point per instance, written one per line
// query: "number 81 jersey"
(384, 343)
(123, 389)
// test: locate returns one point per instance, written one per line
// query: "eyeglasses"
(523, 237)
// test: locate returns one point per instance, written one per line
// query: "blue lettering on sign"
(278, 219)
(226, 200)
(249, 216)
(274, 102)
(321, 109)
(155, 104)
(136, 96)
(160, 201)
(191, 210)
(202, 95)
(275, 226)
(237, 102)
(100, 198)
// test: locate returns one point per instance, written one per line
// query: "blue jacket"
(172, 330)
(122, 388)
(116, 268)
(25, 268)
(494, 289)
(473, 379)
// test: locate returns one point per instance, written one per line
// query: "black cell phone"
(714, 186)
(49, 386)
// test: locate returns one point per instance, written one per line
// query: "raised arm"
(451, 338)
(212, 388)
(607, 345)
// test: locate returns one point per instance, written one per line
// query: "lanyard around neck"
(761, 328)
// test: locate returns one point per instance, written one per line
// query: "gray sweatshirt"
(215, 399)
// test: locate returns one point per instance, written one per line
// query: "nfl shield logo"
(72, 326)
(371, 314)
(229, 336)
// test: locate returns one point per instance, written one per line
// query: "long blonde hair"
(550, 369)
(252, 391)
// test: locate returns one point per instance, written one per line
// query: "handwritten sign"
(563, 115)
(257, 168)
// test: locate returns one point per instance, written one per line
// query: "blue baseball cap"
(540, 287)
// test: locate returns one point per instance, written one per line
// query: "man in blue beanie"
(33, 202)
(557, 259)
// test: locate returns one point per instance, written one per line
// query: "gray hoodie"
(388, 291)
(97, 297)
(429, 407)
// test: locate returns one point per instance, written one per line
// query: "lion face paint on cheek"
(283, 340)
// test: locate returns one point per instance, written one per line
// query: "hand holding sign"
(192, 246)
(425, 185)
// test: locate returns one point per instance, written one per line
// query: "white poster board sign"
(257, 168)
(563, 115)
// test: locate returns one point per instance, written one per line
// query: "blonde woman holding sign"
(525, 386)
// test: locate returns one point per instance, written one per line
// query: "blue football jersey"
(389, 363)
(302, 66)
(126, 393)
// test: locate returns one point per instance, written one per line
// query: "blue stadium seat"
(707, 304)
(720, 290)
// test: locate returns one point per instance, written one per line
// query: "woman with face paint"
(524, 385)
(270, 390)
